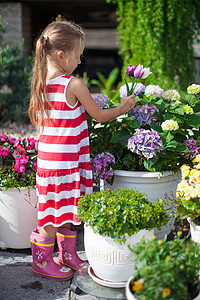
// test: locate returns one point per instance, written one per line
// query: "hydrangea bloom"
(144, 114)
(101, 166)
(145, 142)
(193, 89)
(188, 109)
(102, 100)
(153, 90)
(172, 95)
(138, 89)
(194, 149)
(169, 125)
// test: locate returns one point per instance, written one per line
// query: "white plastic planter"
(195, 231)
(154, 184)
(110, 260)
(18, 217)
(130, 296)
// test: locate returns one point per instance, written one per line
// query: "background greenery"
(15, 72)
(159, 34)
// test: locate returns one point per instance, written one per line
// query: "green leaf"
(193, 120)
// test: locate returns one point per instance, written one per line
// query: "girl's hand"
(127, 104)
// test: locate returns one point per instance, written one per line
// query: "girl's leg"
(66, 240)
(48, 231)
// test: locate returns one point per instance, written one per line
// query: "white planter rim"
(193, 224)
(14, 188)
(143, 174)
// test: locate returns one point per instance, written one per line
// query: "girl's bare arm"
(79, 90)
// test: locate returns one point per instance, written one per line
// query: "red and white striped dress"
(63, 165)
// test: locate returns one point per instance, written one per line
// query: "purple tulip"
(139, 72)
(130, 70)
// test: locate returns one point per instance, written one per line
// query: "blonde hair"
(59, 35)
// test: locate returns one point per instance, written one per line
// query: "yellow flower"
(193, 89)
(188, 109)
(194, 193)
(182, 185)
(166, 291)
(185, 171)
(182, 267)
(196, 159)
(169, 125)
(137, 286)
(160, 242)
(168, 258)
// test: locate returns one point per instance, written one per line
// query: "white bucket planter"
(154, 184)
(18, 217)
(110, 260)
(195, 231)
(130, 296)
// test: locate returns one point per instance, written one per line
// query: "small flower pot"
(194, 291)
(195, 231)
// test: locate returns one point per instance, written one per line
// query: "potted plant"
(188, 197)
(165, 270)
(150, 143)
(111, 219)
(17, 191)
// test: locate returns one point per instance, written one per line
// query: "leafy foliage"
(165, 270)
(15, 73)
(115, 134)
(160, 34)
(17, 162)
(116, 213)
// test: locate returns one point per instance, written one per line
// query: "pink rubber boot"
(43, 263)
(66, 240)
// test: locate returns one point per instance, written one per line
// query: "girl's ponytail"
(58, 35)
(38, 86)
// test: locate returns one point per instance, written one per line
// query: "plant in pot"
(164, 270)
(17, 190)
(188, 197)
(112, 218)
(150, 143)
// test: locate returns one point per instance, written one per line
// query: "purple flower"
(144, 114)
(145, 142)
(101, 100)
(194, 149)
(130, 70)
(101, 166)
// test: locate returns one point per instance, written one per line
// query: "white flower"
(171, 95)
(169, 125)
(146, 72)
(153, 90)
(193, 89)
(68, 256)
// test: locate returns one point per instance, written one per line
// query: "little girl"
(57, 106)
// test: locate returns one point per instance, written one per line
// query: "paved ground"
(18, 283)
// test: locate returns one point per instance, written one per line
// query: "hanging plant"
(159, 34)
